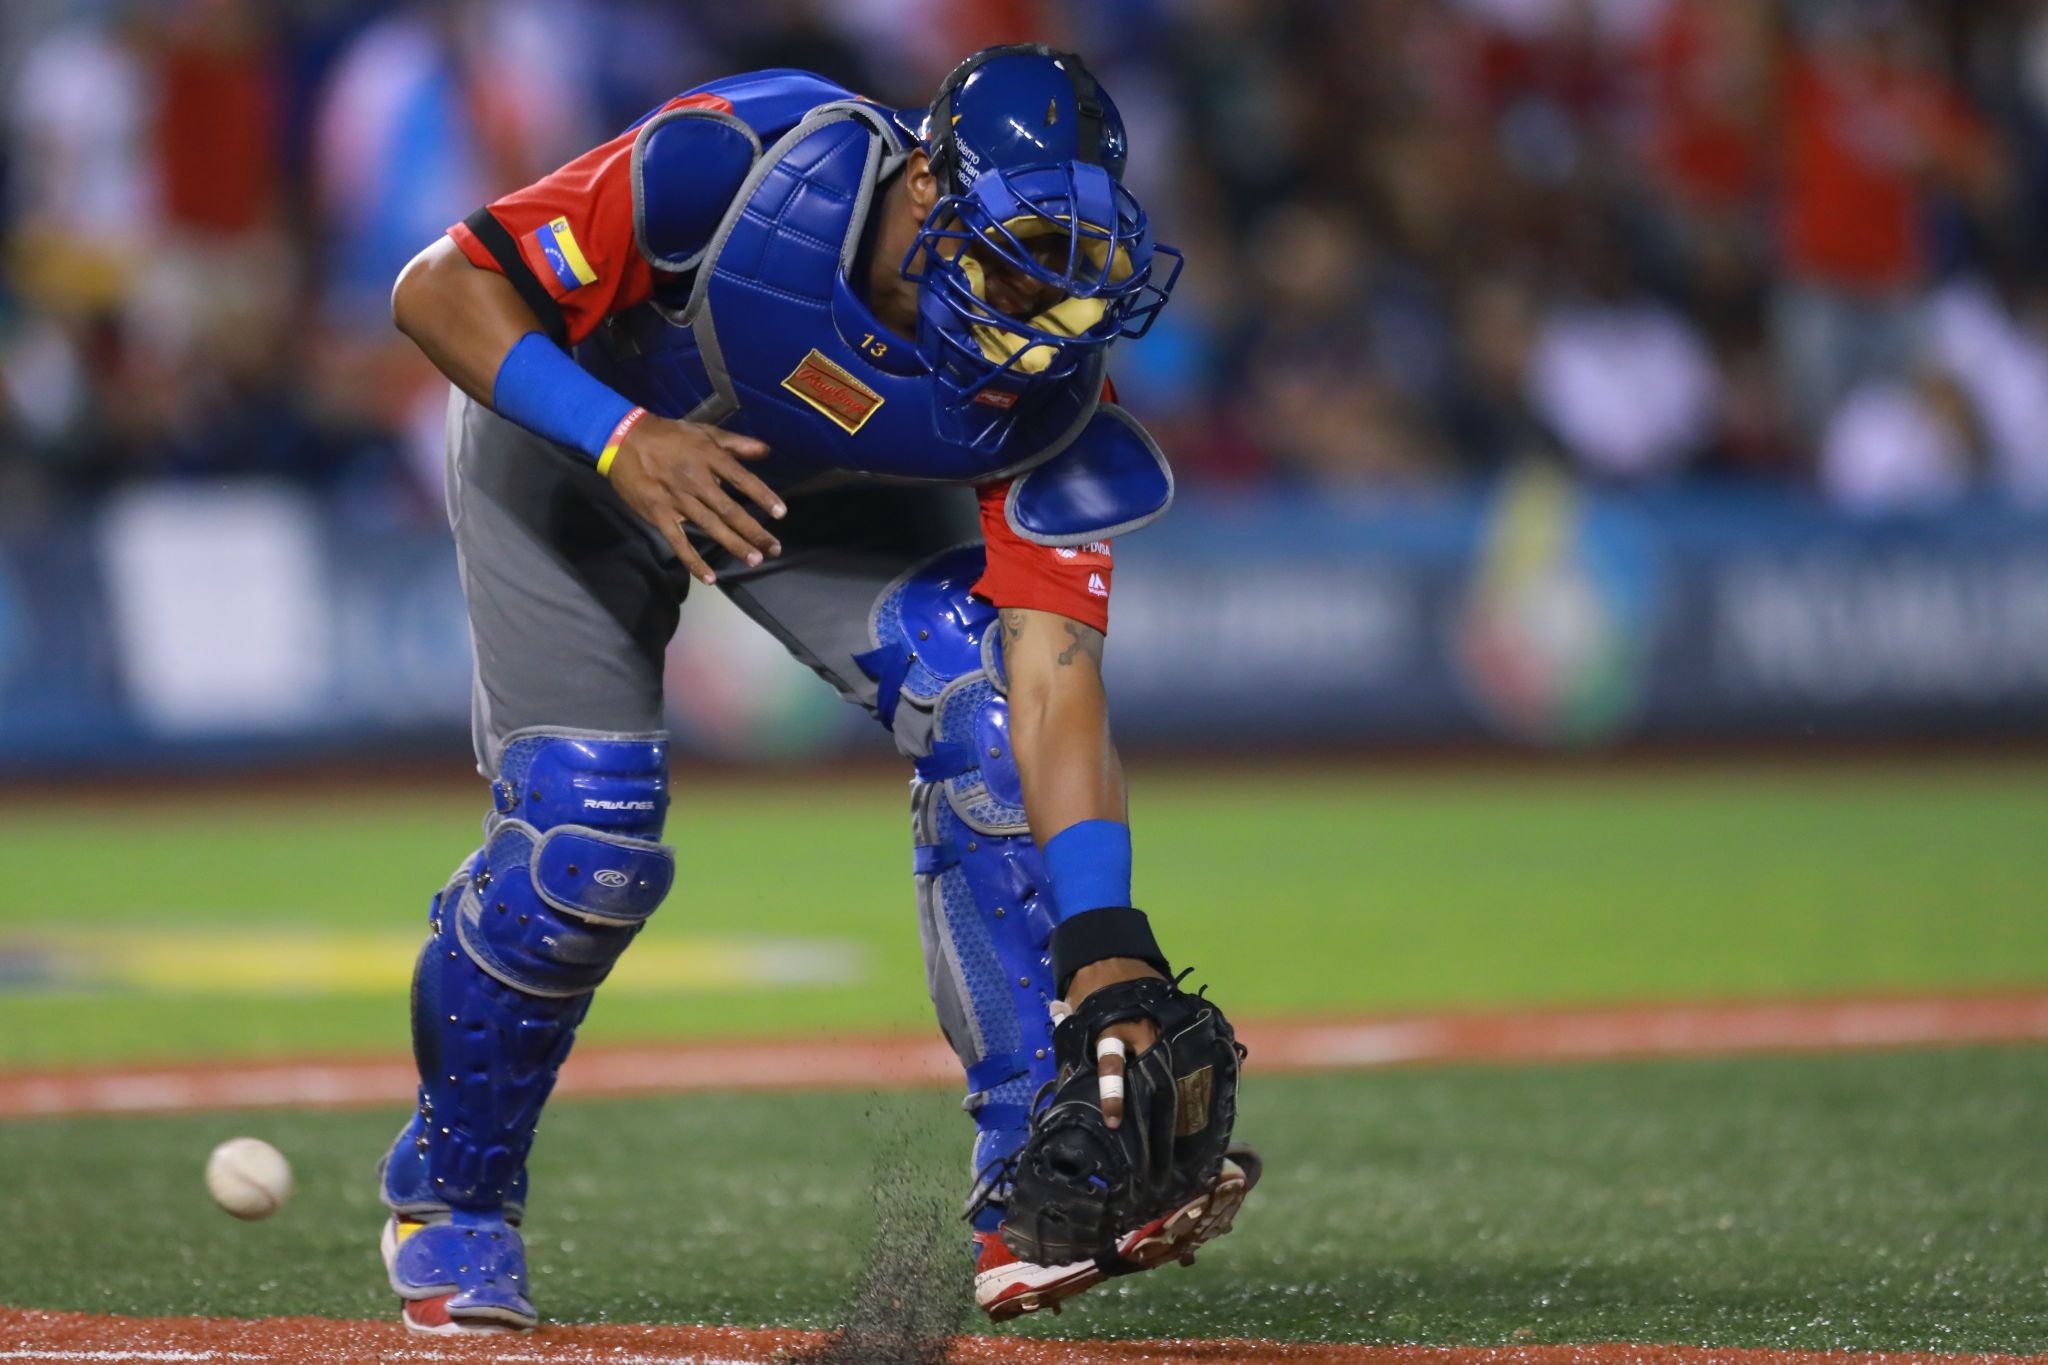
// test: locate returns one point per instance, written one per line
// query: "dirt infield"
(37, 1336)
(900, 1061)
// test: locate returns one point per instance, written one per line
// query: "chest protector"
(774, 343)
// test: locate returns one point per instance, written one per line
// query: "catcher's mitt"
(1077, 1184)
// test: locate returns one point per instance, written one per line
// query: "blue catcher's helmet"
(1029, 152)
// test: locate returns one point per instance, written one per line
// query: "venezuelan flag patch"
(559, 249)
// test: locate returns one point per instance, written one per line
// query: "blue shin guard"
(985, 905)
(519, 939)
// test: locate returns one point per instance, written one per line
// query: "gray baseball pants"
(573, 599)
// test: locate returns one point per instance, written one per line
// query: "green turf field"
(1867, 1201)
(276, 925)
(1848, 1201)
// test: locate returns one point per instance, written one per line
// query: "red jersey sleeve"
(567, 241)
(1073, 583)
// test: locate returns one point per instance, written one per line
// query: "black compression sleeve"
(505, 252)
(1114, 931)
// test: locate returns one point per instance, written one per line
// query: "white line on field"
(572, 1356)
(568, 1357)
(608, 1357)
(119, 1355)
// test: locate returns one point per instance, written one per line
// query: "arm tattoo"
(1085, 641)
(1081, 639)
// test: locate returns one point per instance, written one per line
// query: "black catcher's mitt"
(1078, 1184)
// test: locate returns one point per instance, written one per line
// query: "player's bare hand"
(1119, 1041)
(676, 475)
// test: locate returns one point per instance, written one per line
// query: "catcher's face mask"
(1067, 228)
(1032, 152)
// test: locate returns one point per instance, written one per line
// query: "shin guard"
(519, 938)
(985, 906)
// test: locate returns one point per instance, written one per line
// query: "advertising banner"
(245, 621)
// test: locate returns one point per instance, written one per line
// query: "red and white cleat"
(427, 1312)
(429, 1317)
(1006, 1287)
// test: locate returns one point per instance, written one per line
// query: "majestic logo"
(610, 876)
(832, 391)
(1096, 587)
(1191, 1093)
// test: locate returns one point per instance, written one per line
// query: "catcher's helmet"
(1030, 154)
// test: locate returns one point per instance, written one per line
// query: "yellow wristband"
(617, 439)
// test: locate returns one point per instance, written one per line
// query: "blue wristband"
(544, 390)
(1090, 866)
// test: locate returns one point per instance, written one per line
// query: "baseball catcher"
(847, 364)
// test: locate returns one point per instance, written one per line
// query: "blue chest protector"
(774, 342)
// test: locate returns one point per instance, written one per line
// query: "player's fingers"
(706, 518)
(736, 517)
(746, 447)
(752, 489)
(1109, 1075)
(677, 534)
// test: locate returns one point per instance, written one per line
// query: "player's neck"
(891, 229)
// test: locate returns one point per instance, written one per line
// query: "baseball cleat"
(1006, 1286)
(461, 1275)
(429, 1318)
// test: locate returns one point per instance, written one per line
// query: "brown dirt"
(30, 1335)
(893, 1061)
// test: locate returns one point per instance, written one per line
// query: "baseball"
(248, 1177)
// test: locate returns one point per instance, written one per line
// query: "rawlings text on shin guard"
(985, 904)
(1077, 1184)
(522, 934)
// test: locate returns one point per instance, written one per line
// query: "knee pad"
(519, 938)
(985, 904)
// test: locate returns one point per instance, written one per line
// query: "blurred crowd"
(1648, 240)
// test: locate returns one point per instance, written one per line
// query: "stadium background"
(1611, 568)
(1556, 371)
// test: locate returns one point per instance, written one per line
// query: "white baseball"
(248, 1177)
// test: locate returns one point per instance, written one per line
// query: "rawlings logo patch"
(1191, 1093)
(832, 391)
